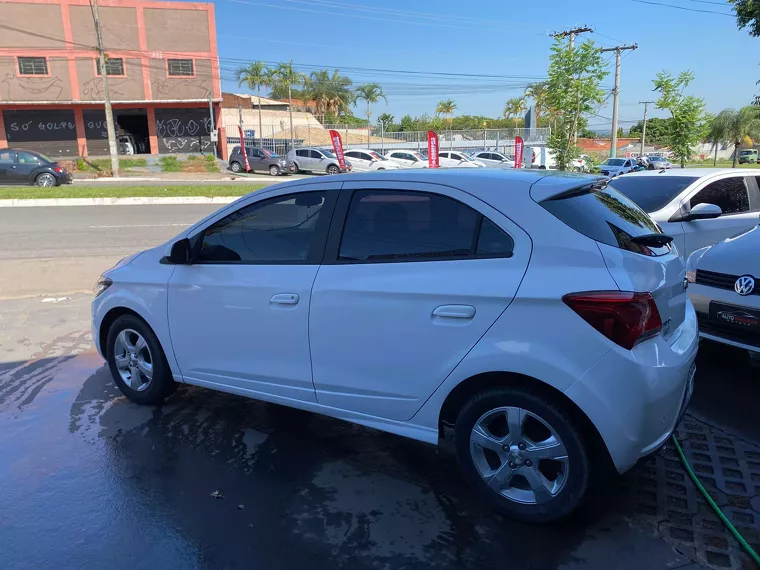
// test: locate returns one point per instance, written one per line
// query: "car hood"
(735, 256)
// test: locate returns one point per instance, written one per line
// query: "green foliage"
(169, 164)
(331, 93)
(658, 130)
(108, 191)
(747, 15)
(386, 120)
(574, 89)
(514, 109)
(688, 113)
(734, 126)
(254, 76)
(210, 158)
(539, 92)
(104, 164)
(370, 93)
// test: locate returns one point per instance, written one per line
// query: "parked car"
(658, 163)
(450, 159)
(492, 158)
(544, 318)
(369, 160)
(260, 159)
(725, 290)
(407, 158)
(317, 160)
(697, 206)
(21, 167)
(617, 166)
(748, 155)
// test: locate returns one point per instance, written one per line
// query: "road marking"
(140, 226)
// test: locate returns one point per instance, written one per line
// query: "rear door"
(7, 161)
(737, 198)
(413, 276)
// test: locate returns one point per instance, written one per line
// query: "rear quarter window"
(607, 216)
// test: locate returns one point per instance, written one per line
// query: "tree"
(285, 75)
(331, 94)
(370, 93)
(514, 108)
(574, 89)
(386, 119)
(736, 126)
(747, 15)
(688, 113)
(714, 134)
(446, 108)
(539, 92)
(658, 130)
(255, 76)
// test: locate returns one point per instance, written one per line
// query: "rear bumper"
(636, 398)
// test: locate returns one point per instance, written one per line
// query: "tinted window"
(730, 194)
(26, 158)
(315, 154)
(613, 162)
(415, 226)
(605, 216)
(276, 230)
(652, 193)
(302, 153)
(365, 156)
(351, 153)
(6, 157)
(493, 240)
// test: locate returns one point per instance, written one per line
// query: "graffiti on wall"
(183, 131)
(15, 88)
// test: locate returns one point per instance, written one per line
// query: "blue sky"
(490, 37)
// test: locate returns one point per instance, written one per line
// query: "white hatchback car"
(696, 206)
(454, 159)
(544, 318)
(407, 158)
(369, 161)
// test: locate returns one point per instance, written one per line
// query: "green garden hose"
(716, 508)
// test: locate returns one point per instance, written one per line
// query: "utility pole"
(644, 129)
(213, 122)
(615, 94)
(571, 34)
(110, 129)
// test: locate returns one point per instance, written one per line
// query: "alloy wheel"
(133, 359)
(519, 455)
(45, 180)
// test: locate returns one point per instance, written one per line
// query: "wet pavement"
(211, 480)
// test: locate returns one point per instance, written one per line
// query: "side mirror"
(179, 253)
(704, 212)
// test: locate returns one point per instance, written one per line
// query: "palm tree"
(371, 93)
(285, 75)
(735, 126)
(514, 108)
(539, 92)
(256, 75)
(331, 93)
(447, 108)
(715, 136)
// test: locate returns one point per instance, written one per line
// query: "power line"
(681, 7)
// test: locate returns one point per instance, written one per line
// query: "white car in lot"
(369, 160)
(725, 291)
(407, 158)
(696, 206)
(616, 166)
(544, 318)
(455, 159)
(491, 158)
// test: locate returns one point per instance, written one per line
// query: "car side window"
(26, 158)
(730, 194)
(302, 153)
(280, 229)
(365, 156)
(315, 154)
(350, 154)
(7, 157)
(417, 226)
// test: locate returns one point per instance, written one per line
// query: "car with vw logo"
(724, 286)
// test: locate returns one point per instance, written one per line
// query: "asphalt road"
(60, 251)
(89, 480)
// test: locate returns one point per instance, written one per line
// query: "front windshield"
(377, 156)
(745, 152)
(327, 153)
(269, 153)
(613, 162)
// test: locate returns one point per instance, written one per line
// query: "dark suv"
(260, 159)
(22, 167)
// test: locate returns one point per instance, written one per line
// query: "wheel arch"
(473, 385)
(108, 320)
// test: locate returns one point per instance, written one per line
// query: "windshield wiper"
(652, 240)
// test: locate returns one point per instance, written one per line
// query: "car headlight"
(693, 261)
(283, 162)
(101, 286)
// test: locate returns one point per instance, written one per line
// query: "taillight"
(58, 169)
(624, 318)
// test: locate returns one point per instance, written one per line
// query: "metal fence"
(277, 138)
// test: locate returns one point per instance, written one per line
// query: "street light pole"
(644, 128)
(110, 129)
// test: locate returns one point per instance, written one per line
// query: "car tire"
(296, 170)
(274, 170)
(542, 167)
(235, 167)
(333, 169)
(125, 338)
(650, 167)
(538, 490)
(46, 180)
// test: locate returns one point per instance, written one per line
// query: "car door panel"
(243, 324)
(7, 161)
(384, 336)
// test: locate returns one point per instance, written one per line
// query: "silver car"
(724, 286)
(492, 159)
(316, 160)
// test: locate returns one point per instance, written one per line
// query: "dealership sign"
(338, 148)
(432, 150)
(519, 146)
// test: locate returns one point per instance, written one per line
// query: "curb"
(51, 202)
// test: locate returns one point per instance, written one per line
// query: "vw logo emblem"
(744, 285)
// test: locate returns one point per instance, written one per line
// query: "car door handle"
(285, 299)
(455, 311)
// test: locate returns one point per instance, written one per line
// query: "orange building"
(162, 65)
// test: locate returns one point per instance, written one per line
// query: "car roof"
(696, 172)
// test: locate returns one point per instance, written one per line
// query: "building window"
(32, 66)
(114, 66)
(180, 67)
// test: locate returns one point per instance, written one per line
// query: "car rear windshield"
(605, 215)
(652, 193)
